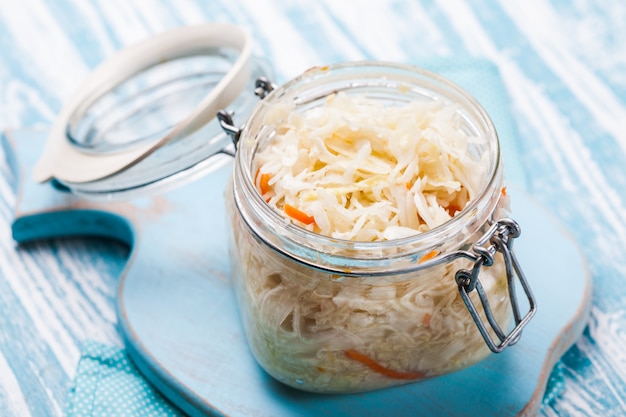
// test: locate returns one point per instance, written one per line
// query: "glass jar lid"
(146, 117)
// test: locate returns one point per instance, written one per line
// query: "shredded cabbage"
(368, 172)
(355, 169)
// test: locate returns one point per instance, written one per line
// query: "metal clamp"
(499, 238)
(226, 122)
(262, 87)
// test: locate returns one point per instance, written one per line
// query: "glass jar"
(330, 315)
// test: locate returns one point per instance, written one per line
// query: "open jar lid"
(146, 117)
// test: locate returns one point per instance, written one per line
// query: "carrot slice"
(503, 191)
(430, 255)
(298, 215)
(377, 367)
(452, 210)
(264, 184)
(426, 320)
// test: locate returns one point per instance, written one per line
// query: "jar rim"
(425, 241)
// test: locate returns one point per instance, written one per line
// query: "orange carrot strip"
(298, 215)
(452, 209)
(426, 319)
(377, 367)
(264, 184)
(504, 191)
(430, 255)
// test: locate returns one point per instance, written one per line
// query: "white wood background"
(564, 66)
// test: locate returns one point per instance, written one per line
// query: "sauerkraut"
(354, 169)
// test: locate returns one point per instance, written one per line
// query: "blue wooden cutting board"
(178, 315)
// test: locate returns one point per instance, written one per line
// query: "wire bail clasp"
(262, 87)
(499, 238)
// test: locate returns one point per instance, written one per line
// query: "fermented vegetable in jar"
(357, 193)
(355, 169)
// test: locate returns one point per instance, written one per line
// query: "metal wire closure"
(262, 87)
(499, 237)
(228, 125)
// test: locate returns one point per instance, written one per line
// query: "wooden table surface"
(564, 67)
